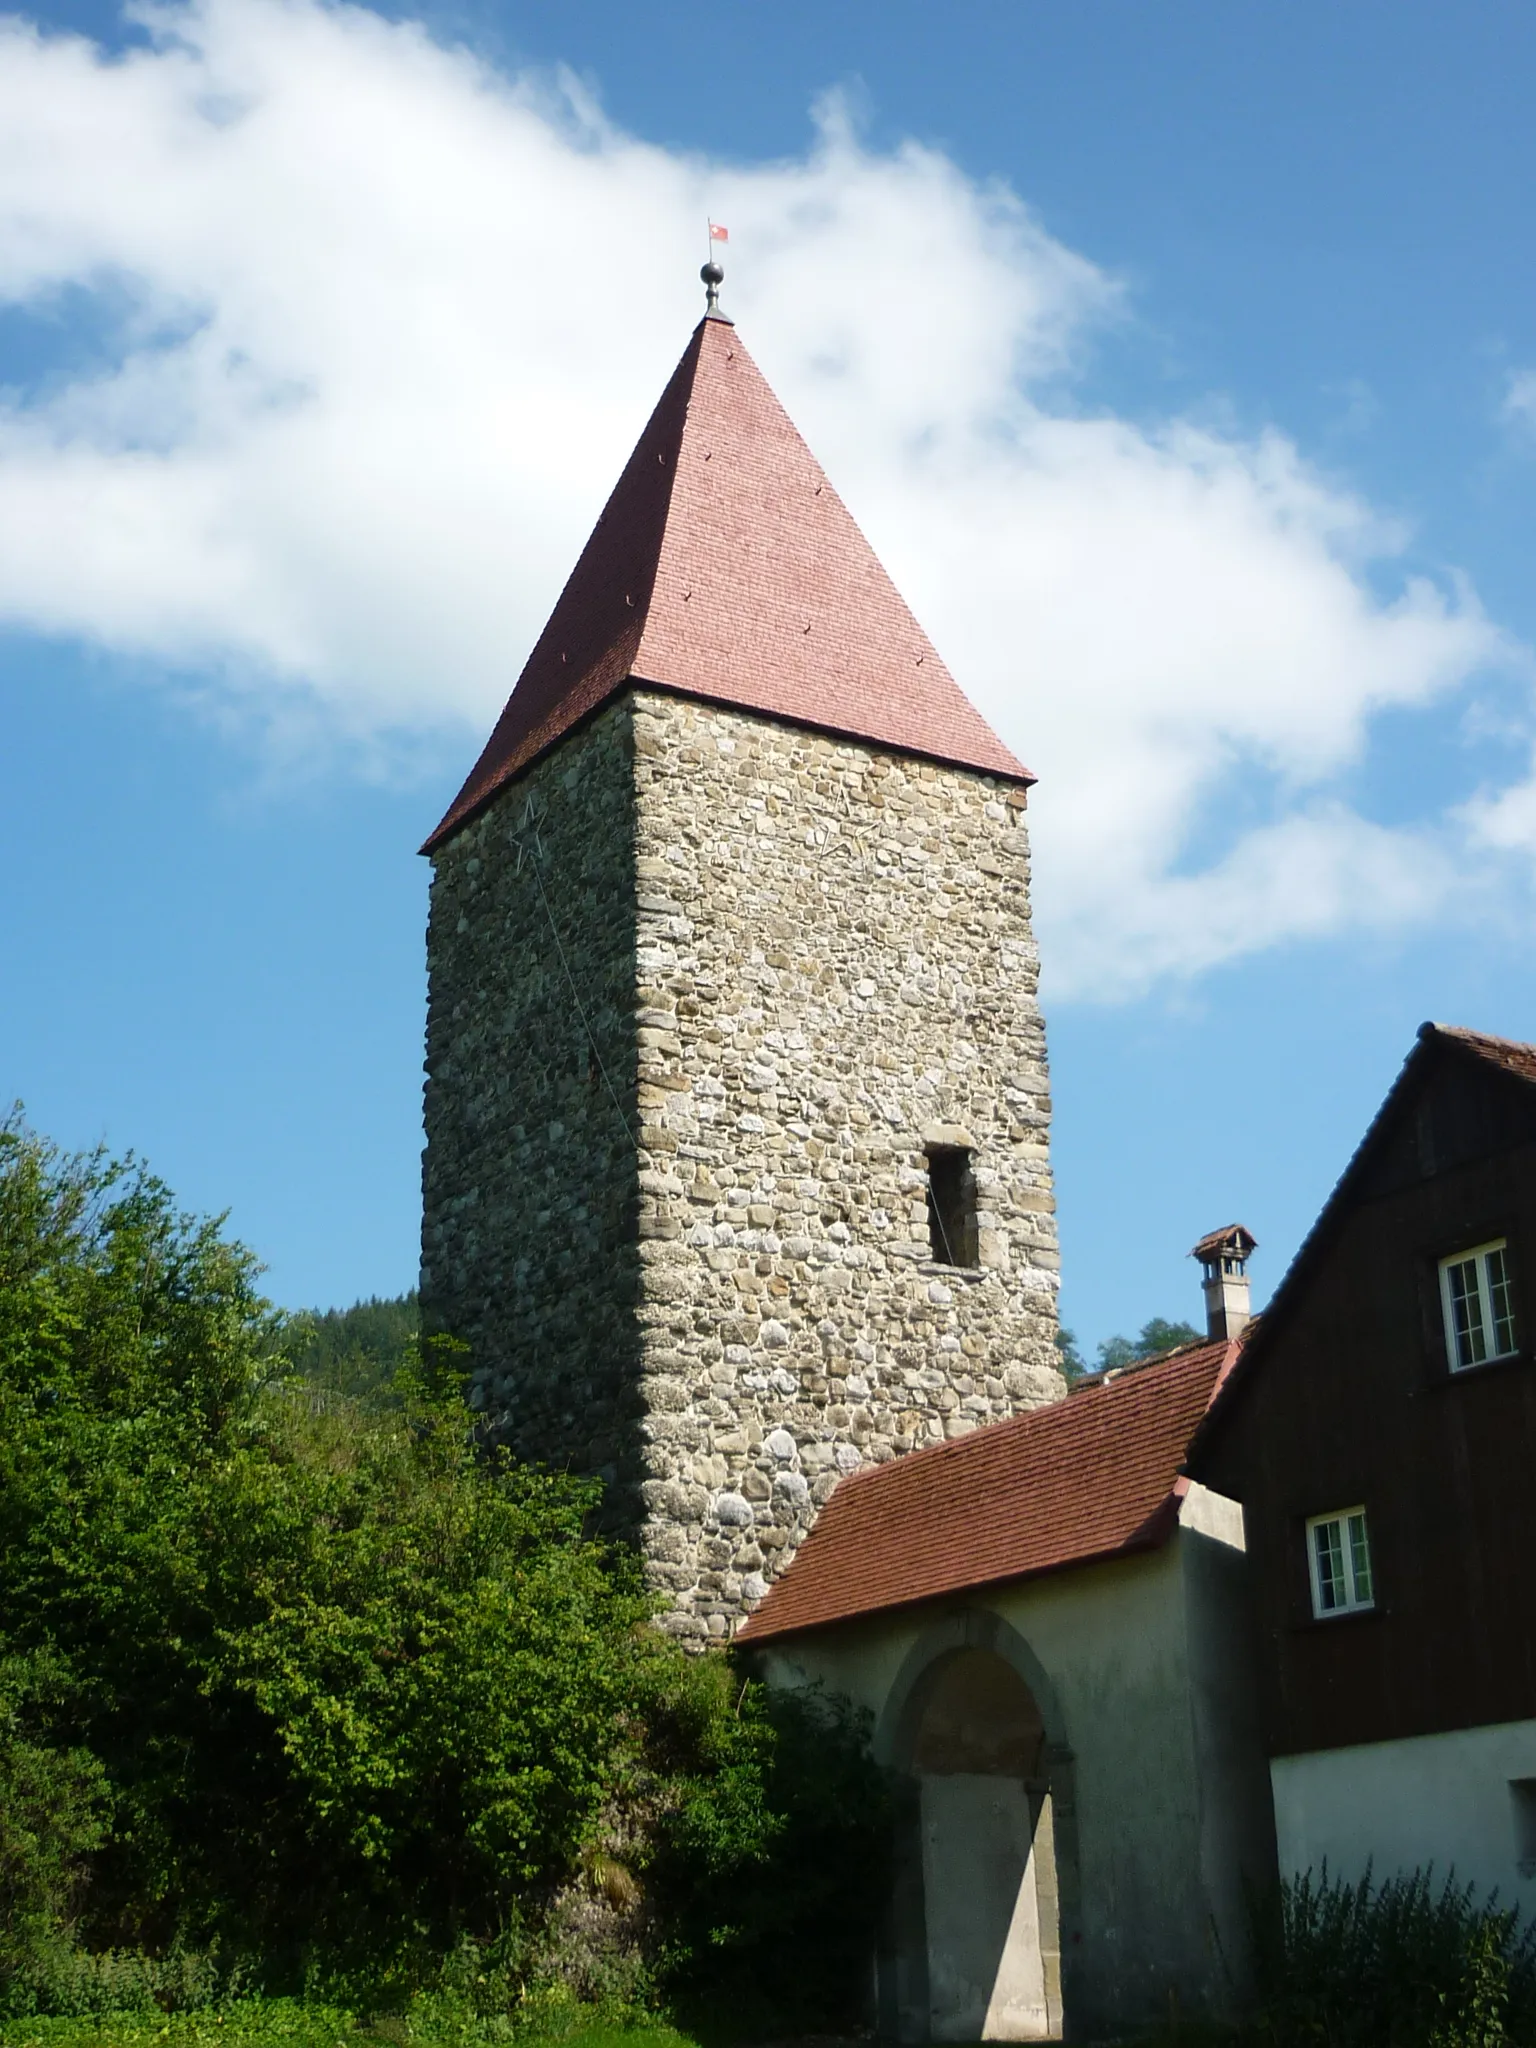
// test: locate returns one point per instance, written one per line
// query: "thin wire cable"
(936, 1217)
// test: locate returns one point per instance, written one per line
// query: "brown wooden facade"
(1345, 1397)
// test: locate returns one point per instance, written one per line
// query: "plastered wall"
(1162, 1814)
(1448, 1800)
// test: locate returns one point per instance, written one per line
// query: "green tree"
(1156, 1336)
(52, 1813)
(1159, 1335)
(324, 1681)
(133, 1351)
(350, 1684)
(1070, 1359)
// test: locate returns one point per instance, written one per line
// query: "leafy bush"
(52, 1813)
(1396, 1965)
(355, 1688)
(63, 1978)
(322, 1694)
(773, 1848)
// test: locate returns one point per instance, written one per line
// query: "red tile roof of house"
(1091, 1477)
(726, 567)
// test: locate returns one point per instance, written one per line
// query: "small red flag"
(718, 233)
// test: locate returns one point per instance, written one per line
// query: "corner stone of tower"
(709, 985)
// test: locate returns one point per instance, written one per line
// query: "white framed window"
(1478, 1305)
(1339, 1557)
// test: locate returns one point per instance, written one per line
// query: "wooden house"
(1380, 1432)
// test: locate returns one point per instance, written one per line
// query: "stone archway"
(974, 1948)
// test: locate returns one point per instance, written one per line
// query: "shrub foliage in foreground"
(1400, 1964)
(325, 1686)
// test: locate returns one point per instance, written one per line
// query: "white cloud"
(388, 324)
(1520, 398)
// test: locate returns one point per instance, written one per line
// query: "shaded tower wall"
(804, 961)
(529, 1250)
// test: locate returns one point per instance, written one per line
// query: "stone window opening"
(952, 1206)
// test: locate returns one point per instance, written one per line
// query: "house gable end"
(1463, 1109)
(1351, 1400)
(1458, 1098)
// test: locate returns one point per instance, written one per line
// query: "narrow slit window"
(952, 1207)
(1478, 1304)
(1339, 1554)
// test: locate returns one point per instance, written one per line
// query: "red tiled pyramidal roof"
(1090, 1477)
(725, 566)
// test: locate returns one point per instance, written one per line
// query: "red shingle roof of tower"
(1091, 1477)
(725, 566)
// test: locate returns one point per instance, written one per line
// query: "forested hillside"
(357, 1352)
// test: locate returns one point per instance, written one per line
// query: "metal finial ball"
(712, 274)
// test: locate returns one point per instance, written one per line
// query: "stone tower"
(736, 1172)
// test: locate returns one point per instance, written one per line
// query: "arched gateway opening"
(975, 1940)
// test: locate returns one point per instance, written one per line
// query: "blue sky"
(1179, 360)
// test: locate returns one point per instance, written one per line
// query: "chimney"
(1223, 1256)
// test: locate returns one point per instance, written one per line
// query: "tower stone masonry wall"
(826, 956)
(528, 1248)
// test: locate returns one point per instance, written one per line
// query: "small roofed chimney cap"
(1223, 1256)
(1232, 1241)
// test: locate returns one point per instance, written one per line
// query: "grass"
(249, 2023)
(294, 2023)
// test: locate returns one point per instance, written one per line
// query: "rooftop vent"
(1223, 1256)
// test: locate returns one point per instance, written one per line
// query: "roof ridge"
(1469, 1035)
